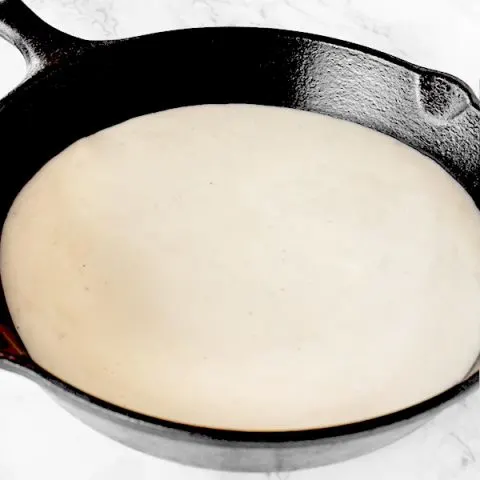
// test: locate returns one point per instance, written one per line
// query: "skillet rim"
(43, 378)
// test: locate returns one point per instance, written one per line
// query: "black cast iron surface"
(76, 87)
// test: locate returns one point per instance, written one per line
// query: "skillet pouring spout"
(76, 87)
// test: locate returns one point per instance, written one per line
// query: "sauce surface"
(246, 267)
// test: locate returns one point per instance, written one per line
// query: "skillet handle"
(40, 43)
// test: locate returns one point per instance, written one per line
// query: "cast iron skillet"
(76, 87)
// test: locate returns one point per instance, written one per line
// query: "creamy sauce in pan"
(246, 267)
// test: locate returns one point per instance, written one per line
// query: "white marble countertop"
(38, 440)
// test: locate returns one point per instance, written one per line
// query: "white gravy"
(246, 267)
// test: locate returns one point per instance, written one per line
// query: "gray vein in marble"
(469, 456)
(97, 13)
(279, 476)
